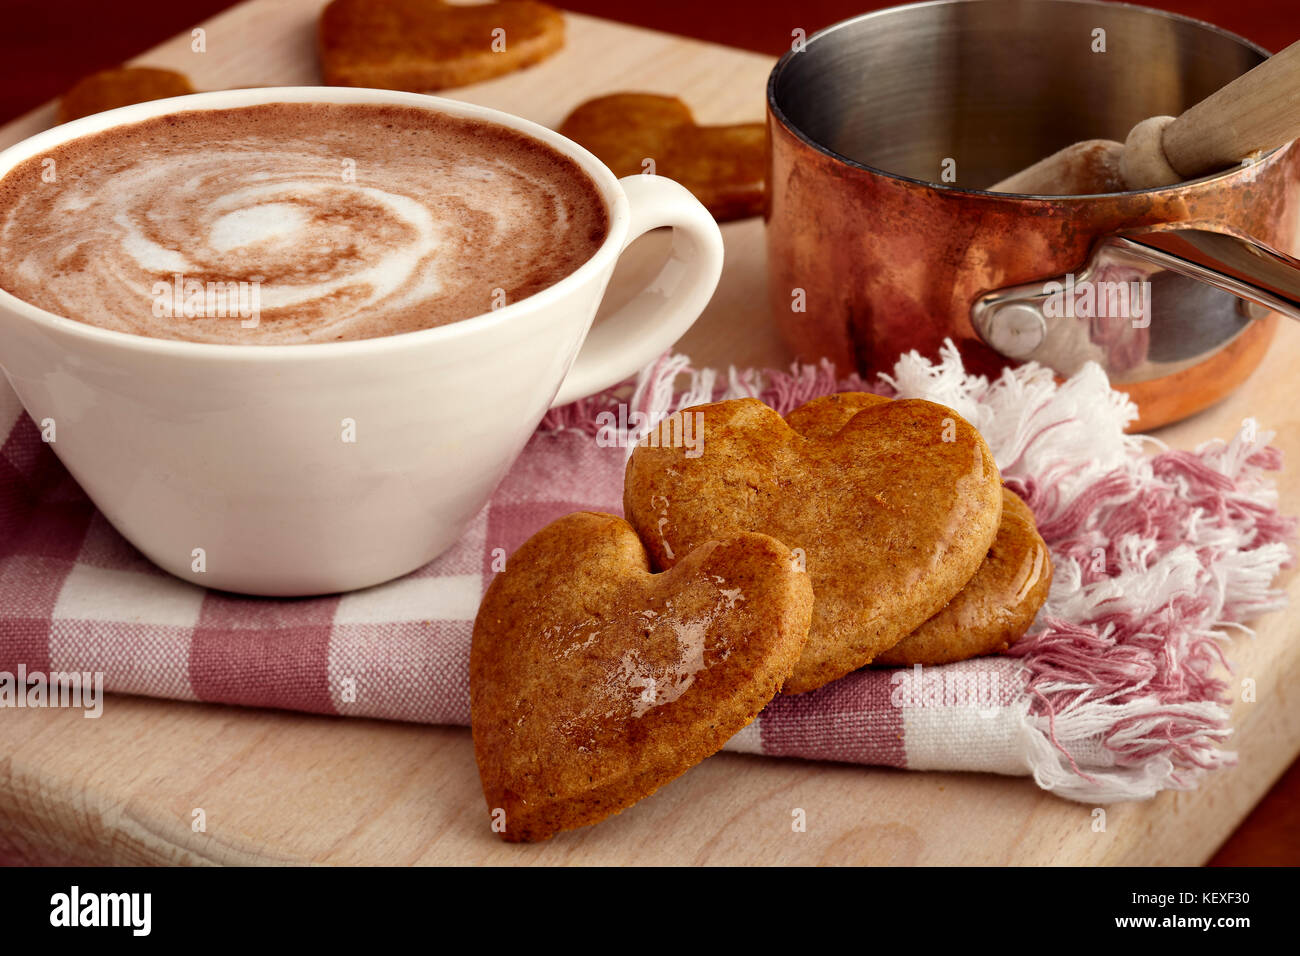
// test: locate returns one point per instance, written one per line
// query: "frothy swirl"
(293, 222)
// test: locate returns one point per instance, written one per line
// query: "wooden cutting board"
(285, 788)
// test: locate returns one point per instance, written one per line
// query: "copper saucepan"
(884, 131)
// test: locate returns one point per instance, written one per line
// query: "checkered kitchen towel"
(1114, 695)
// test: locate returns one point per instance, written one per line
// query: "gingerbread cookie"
(996, 607)
(593, 681)
(998, 604)
(121, 86)
(724, 166)
(420, 45)
(822, 418)
(893, 513)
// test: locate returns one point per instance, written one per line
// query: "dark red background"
(46, 45)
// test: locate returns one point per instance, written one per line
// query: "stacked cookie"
(775, 555)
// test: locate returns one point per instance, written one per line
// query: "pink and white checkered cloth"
(1113, 696)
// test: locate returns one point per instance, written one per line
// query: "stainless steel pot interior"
(996, 84)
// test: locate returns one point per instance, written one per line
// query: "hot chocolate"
(293, 223)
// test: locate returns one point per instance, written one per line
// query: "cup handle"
(638, 332)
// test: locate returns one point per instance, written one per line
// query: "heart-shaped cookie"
(593, 681)
(121, 86)
(822, 418)
(423, 45)
(724, 166)
(997, 605)
(893, 514)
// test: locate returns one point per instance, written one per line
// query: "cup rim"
(616, 207)
(779, 115)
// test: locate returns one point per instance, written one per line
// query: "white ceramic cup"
(238, 450)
